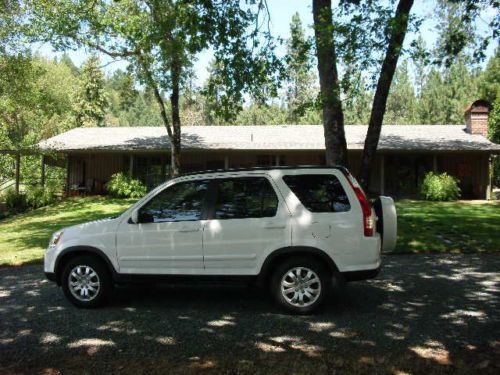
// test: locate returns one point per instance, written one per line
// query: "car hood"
(91, 228)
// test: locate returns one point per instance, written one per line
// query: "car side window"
(245, 197)
(319, 193)
(179, 202)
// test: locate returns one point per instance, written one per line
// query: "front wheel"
(86, 282)
(300, 285)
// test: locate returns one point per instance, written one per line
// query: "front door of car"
(167, 239)
(247, 221)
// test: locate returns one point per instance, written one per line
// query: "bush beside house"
(440, 187)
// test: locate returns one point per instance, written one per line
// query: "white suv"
(293, 229)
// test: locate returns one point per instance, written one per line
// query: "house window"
(149, 171)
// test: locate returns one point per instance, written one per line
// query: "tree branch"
(397, 29)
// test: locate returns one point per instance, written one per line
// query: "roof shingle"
(267, 137)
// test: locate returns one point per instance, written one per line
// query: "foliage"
(402, 101)
(91, 99)
(15, 201)
(122, 186)
(37, 197)
(300, 90)
(489, 88)
(440, 187)
(160, 40)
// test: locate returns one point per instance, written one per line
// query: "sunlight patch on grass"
(24, 237)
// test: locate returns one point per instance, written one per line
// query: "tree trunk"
(397, 32)
(333, 116)
(176, 120)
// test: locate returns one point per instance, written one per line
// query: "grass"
(24, 237)
(456, 227)
(424, 227)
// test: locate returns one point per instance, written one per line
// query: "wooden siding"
(403, 172)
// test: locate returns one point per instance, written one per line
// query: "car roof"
(263, 169)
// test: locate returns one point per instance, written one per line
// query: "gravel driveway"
(423, 314)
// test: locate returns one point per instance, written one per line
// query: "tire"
(90, 272)
(315, 287)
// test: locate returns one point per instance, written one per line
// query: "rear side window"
(319, 192)
(246, 197)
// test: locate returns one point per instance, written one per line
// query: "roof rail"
(344, 169)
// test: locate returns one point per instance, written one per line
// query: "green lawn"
(423, 226)
(24, 237)
(461, 227)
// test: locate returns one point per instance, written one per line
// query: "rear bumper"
(51, 276)
(360, 275)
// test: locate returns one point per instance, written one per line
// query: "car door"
(248, 220)
(324, 216)
(168, 236)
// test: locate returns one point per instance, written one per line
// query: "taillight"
(366, 208)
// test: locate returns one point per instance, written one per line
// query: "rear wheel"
(300, 285)
(86, 282)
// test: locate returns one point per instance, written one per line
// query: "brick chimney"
(476, 117)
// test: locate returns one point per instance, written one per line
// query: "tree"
(91, 101)
(369, 35)
(402, 102)
(333, 115)
(357, 100)
(300, 91)
(124, 85)
(489, 89)
(396, 32)
(160, 39)
(432, 99)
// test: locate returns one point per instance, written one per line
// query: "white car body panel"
(240, 246)
(231, 246)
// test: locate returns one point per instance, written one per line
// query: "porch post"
(131, 165)
(226, 162)
(18, 168)
(67, 174)
(42, 182)
(382, 175)
(277, 160)
(489, 171)
(434, 163)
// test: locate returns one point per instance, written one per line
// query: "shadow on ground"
(432, 314)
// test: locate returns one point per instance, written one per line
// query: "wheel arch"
(74, 251)
(278, 255)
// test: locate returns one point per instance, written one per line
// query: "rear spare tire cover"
(387, 222)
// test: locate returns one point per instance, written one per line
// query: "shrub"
(39, 197)
(440, 187)
(15, 201)
(123, 186)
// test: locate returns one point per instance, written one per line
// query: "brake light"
(366, 208)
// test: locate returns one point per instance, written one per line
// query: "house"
(405, 153)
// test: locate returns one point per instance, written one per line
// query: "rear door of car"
(248, 220)
(326, 213)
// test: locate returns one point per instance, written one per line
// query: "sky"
(281, 12)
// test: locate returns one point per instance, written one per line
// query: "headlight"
(56, 237)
